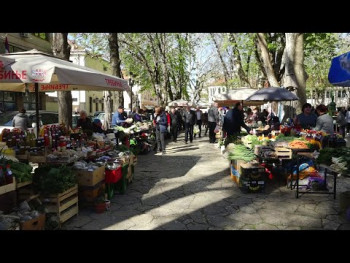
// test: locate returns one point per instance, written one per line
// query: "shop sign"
(38, 75)
(113, 83)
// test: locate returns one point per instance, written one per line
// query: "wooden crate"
(34, 224)
(8, 187)
(65, 204)
(89, 194)
(22, 156)
(25, 192)
(38, 158)
(283, 153)
(86, 178)
(23, 184)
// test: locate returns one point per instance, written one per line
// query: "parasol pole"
(36, 86)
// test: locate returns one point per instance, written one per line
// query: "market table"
(327, 170)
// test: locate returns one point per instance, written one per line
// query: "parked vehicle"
(46, 117)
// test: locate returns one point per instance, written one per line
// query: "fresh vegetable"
(241, 152)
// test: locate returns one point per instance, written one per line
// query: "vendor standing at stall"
(85, 123)
(234, 120)
(306, 119)
(324, 121)
(118, 117)
(21, 120)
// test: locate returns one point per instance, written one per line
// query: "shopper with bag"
(199, 115)
(213, 120)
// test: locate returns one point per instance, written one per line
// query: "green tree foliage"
(319, 49)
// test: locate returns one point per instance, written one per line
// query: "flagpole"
(36, 85)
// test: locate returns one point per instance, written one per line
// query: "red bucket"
(113, 176)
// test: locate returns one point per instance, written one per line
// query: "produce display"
(51, 180)
(337, 158)
(241, 152)
(21, 171)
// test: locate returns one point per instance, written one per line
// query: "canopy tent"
(273, 94)
(339, 72)
(179, 103)
(36, 71)
(236, 95)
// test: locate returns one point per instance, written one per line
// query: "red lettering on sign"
(113, 83)
(54, 87)
(13, 74)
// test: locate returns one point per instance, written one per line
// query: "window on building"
(344, 94)
(339, 93)
(97, 106)
(112, 105)
(102, 106)
(90, 104)
(328, 94)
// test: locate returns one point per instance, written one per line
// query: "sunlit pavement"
(189, 188)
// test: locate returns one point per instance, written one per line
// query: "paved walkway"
(189, 188)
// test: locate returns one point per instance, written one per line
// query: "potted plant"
(100, 204)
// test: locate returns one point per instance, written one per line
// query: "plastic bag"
(217, 129)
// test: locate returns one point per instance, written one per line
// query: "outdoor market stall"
(54, 146)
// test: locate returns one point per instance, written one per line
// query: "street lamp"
(131, 84)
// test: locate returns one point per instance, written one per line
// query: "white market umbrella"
(41, 72)
(179, 103)
(236, 95)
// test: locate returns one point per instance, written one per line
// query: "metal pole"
(36, 86)
(131, 96)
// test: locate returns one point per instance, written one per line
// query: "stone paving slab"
(190, 188)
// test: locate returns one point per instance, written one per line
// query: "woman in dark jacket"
(174, 124)
(161, 124)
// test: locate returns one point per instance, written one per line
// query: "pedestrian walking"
(161, 124)
(341, 121)
(213, 120)
(174, 124)
(199, 115)
(205, 122)
(189, 118)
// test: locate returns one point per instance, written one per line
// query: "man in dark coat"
(189, 119)
(234, 120)
(174, 124)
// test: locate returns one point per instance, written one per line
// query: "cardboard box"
(35, 223)
(90, 178)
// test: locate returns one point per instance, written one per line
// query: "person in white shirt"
(199, 115)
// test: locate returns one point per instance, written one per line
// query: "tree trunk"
(299, 69)
(270, 74)
(61, 49)
(237, 61)
(295, 75)
(116, 71)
